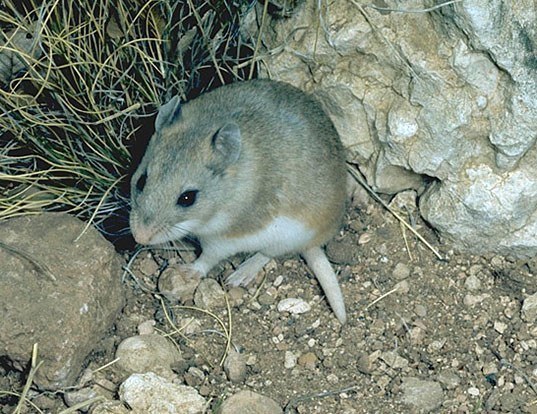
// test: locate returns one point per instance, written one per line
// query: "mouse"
(250, 167)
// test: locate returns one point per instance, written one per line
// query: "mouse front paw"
(178, 283)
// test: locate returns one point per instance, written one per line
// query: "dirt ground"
(453, 323)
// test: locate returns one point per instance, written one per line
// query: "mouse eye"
(140, 184)
(187, 198)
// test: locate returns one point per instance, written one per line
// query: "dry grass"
(78, 80)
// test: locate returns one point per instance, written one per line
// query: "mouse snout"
(142, 234)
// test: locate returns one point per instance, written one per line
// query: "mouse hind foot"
(248, 270)
(321, 267)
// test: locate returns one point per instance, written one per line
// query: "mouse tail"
(321, 267)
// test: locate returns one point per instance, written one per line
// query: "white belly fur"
(283, 235)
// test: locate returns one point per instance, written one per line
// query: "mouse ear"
(226, 144)
(168, 113)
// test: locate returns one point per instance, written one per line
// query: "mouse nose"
(142, 234)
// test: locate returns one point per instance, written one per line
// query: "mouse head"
(187, 170)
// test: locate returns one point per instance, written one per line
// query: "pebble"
(471, 300)
(110, 407)
(194, 377)
(148, 266)
(209, 295)
(147, 327)
(473, 391)
(401, 271)
(148, 393)
(249, 402)
(393, 360)
(436, 346)
(144, 353)
(236, 295)
(490, 368)
(500, 327)
(177, 285)
(472, 283)
(422, 394)
(294, 306)
(189, 325)
(364, 364)
(402, 287)
(420, 310)
(332, 378)
(290, 360)
(266, 299)
(278, 281)
(364, 238)
(475, 270)
(529, 308)
(308, 360)
(235, 367)
(450, 379)
(343, 251)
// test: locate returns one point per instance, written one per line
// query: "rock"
(177, 284)
(111, 407)
(401, 271)
(60, 289)
(148, 266)
(308, 360)
(529, 309)
(249, 402)
(290, 360)
(344, 251)
(294, 305)
(235, 366)
(194, 377)
(402, 287)
(471, 300)
(423, 395)
(209, 295)
(405, 203)
(472, 283)
(365, 364)
(473, 391)
(460, 108)
(150, 394)
(147, 327)
(90, 385)
(393, 360)
(147, 353)
(450, 379)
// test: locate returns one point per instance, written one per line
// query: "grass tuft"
(78, 82)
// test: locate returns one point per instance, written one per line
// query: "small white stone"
(529, 308)
(473, 391)
(278, 281)
(500, 327)
(364, 238)
(147, 327)
(294, 306)
(519, 380)
(149, 393)
(332, 378)
(290, 360)
(311, 342)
